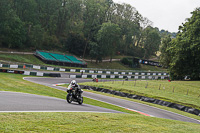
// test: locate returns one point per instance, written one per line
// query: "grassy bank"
(182, 92)
(22, 58)
(90, 123)
(31, 59)
(119, 65)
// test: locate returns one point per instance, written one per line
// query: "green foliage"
(164, 34)
(183, 52)
(71, 25)
(12, 33)
(108, 38)
(36, 36)
(165, 56)
(151, 42)
(75, 43)
(126, 61)
(95, 52)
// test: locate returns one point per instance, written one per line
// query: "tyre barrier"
(11, 71)
(145, 99)
(54, 74)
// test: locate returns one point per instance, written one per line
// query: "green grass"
(91, 123)
(119, 65)
(22, 58)
(185, 92)
(107, 65)
(15, 83)
(151, 68)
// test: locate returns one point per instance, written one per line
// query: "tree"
(11, 27)
(95, 52)
(184, 50)
(75, 43)
(49, 24)
(151, 42)
(128, 19)
(36, 37)
(108, 38)
(165, 53)
(93, 17)
(26, 8)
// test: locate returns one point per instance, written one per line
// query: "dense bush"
(127, 61)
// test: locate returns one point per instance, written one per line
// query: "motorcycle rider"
(74, 84)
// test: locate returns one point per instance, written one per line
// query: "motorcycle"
(74, 94)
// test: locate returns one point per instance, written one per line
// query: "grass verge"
(90, 123)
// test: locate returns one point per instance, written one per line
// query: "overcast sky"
(165, 14)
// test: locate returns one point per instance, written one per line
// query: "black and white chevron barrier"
(105, 72)
(90, 73)
(118, 77)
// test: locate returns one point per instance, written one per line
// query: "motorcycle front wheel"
(80, 101)
(69, 98)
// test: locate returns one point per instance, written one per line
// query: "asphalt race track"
(22, 102)
(11, 101)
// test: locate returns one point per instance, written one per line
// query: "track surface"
(22, 102)
(152, 111)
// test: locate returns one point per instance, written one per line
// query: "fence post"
(135, 83)
(173, 89)
(187, 91)
(146, 85)
(159, 86)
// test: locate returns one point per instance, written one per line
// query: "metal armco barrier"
(31, 73)
(42, 74)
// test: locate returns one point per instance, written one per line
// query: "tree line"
(182, 54)
(92, 28)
